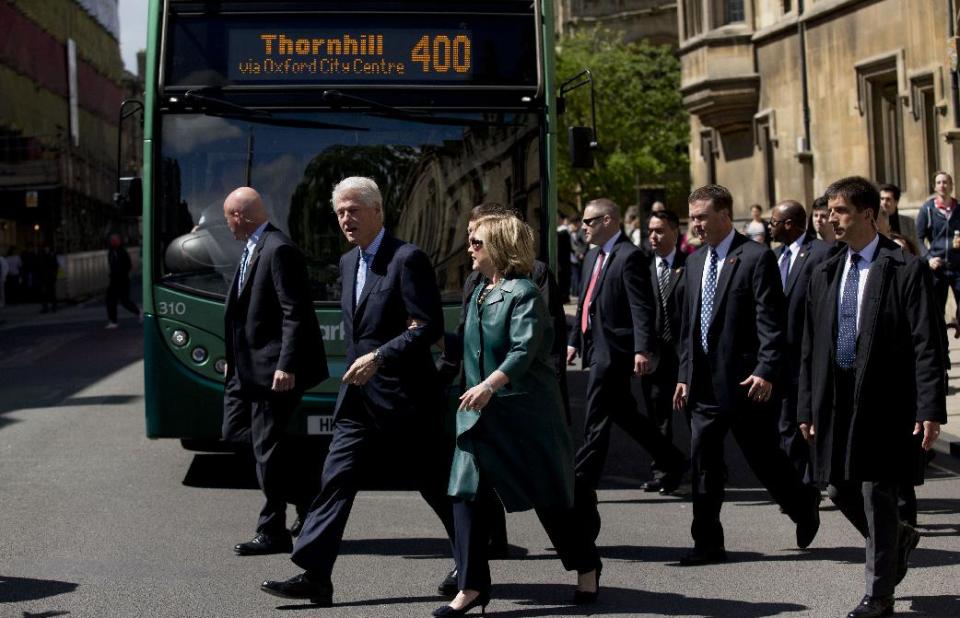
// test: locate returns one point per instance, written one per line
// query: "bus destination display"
(403, 55)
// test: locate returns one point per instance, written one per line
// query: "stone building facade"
(651, 20)
(786, 96)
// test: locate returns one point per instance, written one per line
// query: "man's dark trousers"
(260, 418)
(658, 390)
(871, 506)
(359, 435)
(755, 430)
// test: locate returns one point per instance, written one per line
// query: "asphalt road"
(96, 520)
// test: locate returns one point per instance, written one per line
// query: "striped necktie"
(666, 333)
(243, 265)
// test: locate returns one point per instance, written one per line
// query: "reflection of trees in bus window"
(430, 175)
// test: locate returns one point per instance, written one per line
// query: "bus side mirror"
(129, 198)
(580, 140)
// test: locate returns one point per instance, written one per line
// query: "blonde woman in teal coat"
(512, 436)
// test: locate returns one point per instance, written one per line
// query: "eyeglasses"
(591, 220)
(476, 243)
(776, 222)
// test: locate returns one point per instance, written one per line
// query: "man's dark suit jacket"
(900, 373)
(400, 286)
(269, 323)
(623, 309)
(812, 252)
(674, 295)
(746, 333)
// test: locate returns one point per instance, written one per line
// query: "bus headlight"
(199, 354)
(220, 366)
(179, 338)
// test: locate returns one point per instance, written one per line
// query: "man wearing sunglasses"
(615, 333)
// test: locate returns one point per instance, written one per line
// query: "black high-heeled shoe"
(481, 600)
(582, 597)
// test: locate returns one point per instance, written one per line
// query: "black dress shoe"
(909, 539)
(583, 597)
(480, 601)
(262, 545)
(652, 486)
(296, 527)
(808, 526)
(873, 607)
(700, 557)
(671, 480)
(448, 587)
(301, 587)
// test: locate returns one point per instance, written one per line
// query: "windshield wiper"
(212, 106)
(337, 98)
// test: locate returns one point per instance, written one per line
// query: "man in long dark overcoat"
(871, 377)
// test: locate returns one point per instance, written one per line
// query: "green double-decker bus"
(446, 104)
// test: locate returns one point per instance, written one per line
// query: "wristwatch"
(378, 357)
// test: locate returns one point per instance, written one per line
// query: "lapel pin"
(731, 260)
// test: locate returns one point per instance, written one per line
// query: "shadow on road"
(16, 589)
(221, 471)
(943, 605)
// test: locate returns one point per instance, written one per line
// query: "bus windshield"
(430, 174)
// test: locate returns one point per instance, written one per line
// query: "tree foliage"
(642, 128)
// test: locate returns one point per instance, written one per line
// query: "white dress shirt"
(866, 259)
(722, 250)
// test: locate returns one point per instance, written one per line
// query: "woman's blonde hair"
(509, 243)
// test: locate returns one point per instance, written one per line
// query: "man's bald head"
(789, 221)
(244, 211)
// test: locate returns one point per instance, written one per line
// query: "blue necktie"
(361, 275)
(706, 304)
(785, 266)
(847, 336)
(243, 265)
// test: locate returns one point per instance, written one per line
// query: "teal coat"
(519, 442)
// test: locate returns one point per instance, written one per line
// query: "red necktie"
(585, 316)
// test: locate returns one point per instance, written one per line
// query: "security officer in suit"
(614, 331)
(666, 274)
(799, 253)
(732, 351)
(871, 379)
(274, 352)
(390, 399)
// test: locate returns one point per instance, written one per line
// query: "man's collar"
(374, 245)
(868, 252)
(797, 245)
(608, 246)
(257, 233)
(669, 259)
(724, 247)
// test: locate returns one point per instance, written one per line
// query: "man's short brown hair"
(718, 196)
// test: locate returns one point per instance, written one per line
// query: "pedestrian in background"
(274, 353)
(578, 249)
(632, 225)
(757, 229)
(512, 436)
(820, 221)
(4, 273)
(118, 287)
(48, 269)
(12, 285)
(938, 236)
(871, 378)
(564, 248)
(899, 222)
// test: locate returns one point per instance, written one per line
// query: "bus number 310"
(441, 54)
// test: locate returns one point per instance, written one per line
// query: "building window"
(766, 140)
(733, 11)
(787, 6)
(925, 112)
(708, 152)
(692, 18)
(878, 93)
